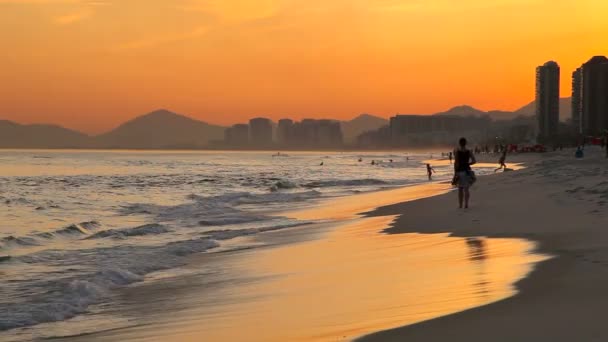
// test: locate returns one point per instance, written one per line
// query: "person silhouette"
(463, 175)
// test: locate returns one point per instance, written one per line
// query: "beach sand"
(557, 201)
(349, 280)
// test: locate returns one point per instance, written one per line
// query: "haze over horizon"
(91, 65)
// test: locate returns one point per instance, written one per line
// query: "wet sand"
(557, 201)
(333, 281)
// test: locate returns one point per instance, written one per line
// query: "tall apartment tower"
(260, 132)
(285, 131)
(577, 100)
(547, 100)
(594, 99)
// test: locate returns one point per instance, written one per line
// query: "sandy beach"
(406, 265)
(560, 203)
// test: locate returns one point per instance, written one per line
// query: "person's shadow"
(477, 255)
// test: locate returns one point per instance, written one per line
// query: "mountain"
(462, 111)
(361, 124)
(565, 109)
(160, 129)
(14, 135)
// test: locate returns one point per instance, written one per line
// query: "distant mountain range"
(361, 124)
(14, 135)
(565, 111)
(163, 129)
(160, 129)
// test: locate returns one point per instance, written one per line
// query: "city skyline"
(90, 65)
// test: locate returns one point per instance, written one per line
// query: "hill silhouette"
(363, 123)
(159, 130)
(14, 135)
(163, 129)
(565, 109)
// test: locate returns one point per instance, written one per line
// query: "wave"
(283, 184)
(12, 241)
(227, 234)
(147, 229)
(346, 182)
(71, 294)
(73, 230)
(5, 258)
(219, 210)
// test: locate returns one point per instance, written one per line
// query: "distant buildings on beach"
(589, 99)
(589, 118)
(308, 133)
(421, 130)
(547, 100)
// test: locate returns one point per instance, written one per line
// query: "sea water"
(77, 226)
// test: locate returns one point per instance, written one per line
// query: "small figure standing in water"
(450, 156)
(373, 162)
(429, 171)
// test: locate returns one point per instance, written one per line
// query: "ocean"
(79, 227)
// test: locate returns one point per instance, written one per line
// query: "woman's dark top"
(462, 160)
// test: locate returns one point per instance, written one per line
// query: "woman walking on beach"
(463, 159)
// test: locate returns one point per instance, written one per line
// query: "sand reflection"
(356, 281)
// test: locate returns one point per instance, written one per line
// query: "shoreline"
(562, 298)
(338, 214)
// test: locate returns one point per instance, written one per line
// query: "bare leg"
(460, 197)
(467, 195)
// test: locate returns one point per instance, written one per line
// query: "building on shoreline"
(593, 99)
(425, 130)
(237, 135)
(577, 100)
(285, 131)
(260, 132)
(322, 133)
(547, 101)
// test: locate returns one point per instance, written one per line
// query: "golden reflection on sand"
(357, 280)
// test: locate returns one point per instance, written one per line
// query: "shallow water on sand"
(335, 282)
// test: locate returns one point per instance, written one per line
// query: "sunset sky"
(91, 64)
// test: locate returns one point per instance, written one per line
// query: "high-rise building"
(424, 130)
(237, 135)
(260, 132)
(577, 100)
(594, 99)
(285, 132)
(547, 100)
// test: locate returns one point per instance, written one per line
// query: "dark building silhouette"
(260, 132)
(311, 133)
(547, 100)
(424, 130)
(594, 96)
(237, 135)
(285, 131)
(577, 100)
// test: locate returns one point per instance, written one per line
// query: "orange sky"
(91, 64)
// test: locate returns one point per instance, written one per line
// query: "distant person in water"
(450, 155)
(463, 175)
(501, 161)
(429, 171)
(321, 163)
